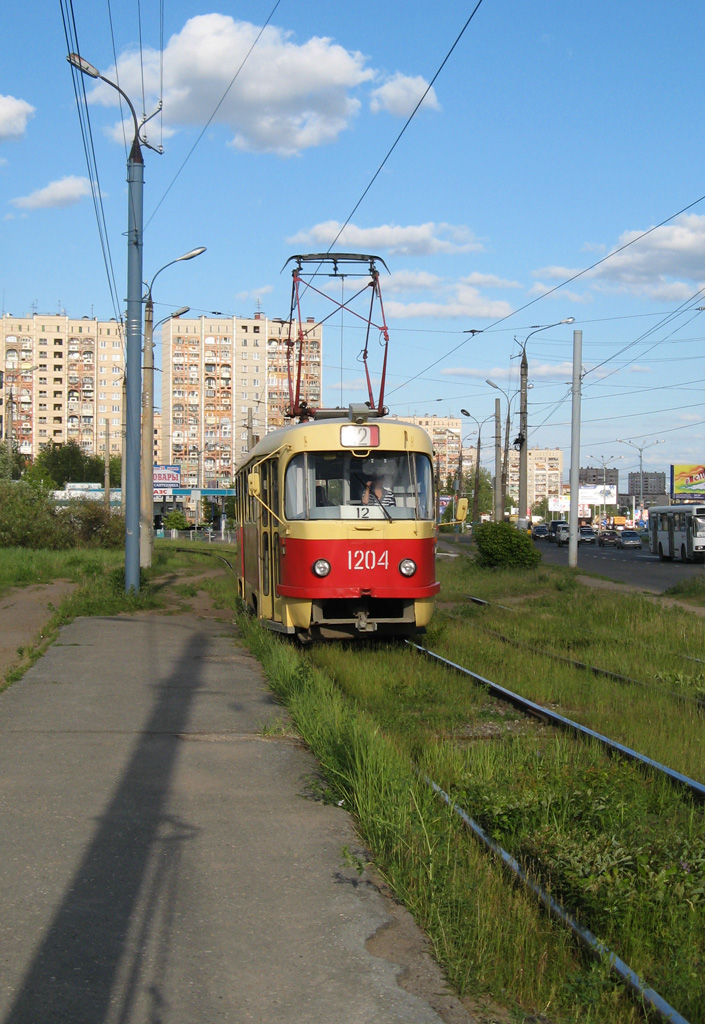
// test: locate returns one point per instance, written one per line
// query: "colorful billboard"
(688, 481)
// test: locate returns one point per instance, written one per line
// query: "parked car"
(587, 535)
(540, 531)
(607, 537)
(628, 539)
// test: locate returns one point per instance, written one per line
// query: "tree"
(62, 463)
(175, 520)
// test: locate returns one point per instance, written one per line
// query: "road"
(638, 568)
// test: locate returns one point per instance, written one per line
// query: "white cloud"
(14, 115)
(562, 294)
(286, 97)
(666, 266)
(255, 293)
(400, 281)
(412, 240)
(639, 369)
(64, 192)
(400, 94)
(545, 371)
(466, 303)
(490, 281)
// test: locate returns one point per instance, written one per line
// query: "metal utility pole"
(250, 430)
(133, 333)
(523, 453)
(640, 448)
(476, 489)
(106, 475)
(522, 440)
(498, 509)
(147, 448)
(575, 449)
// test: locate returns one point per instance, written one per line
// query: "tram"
(336, 528)
(336, 511)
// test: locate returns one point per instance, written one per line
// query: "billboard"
(597, 494)
(687, 481)
(167, 476)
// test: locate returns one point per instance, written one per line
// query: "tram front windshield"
(322, 485)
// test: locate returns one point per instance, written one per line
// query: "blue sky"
(556, 133)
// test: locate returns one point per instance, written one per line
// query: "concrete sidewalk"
(159, 859)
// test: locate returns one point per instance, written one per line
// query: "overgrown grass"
(624, 633)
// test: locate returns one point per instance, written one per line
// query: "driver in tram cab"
(376, 489)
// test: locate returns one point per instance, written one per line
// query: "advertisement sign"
(167, 476)
(688, 480)
(559, 504)
(597, 494)
(443, 502)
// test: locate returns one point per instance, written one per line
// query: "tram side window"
(295, 488)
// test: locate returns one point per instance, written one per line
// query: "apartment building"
(648, 484)
(224, 384)
(447, 437)
(544, 474)
(62, 380)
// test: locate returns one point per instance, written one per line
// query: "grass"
(623, 850)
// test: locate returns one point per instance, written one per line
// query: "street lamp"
(147, 474)
(523, 425)
(133, 332)
(640, 448)
(505, 462)
(610, 458)
(476, 489)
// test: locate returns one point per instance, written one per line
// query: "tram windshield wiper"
(383, 507)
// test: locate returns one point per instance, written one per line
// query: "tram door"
(269, 542)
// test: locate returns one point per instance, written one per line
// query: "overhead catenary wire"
(71, 36)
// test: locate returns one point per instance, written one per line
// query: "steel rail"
(595, 669)
(665, 1011)
(531, 707)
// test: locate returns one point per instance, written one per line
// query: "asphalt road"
(638, 568)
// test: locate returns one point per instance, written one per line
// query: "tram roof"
(292, 432)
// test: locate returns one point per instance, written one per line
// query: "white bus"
(677, 530)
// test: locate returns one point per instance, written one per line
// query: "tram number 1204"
(368, 560)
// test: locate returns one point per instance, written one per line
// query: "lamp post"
(147, 474)
(610, 458)
(505, 461)
(476, 489)
(641, 448)
(523, 424)
(133, 333)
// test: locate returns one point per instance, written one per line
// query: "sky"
(551, 135)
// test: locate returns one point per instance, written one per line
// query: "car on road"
(607, 537)
(540, 531)
(628, 539)
(562, 534)
(553, 527)
(587, 535)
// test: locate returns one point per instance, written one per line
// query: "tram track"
(529, 707)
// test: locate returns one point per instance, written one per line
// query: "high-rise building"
(594, 475)
(224, 385)
(63, 378)
(544, 474)
(446, 435)
(653, 483)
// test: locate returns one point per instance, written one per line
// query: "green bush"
(502, 545)
(175, 520)
(29, 519)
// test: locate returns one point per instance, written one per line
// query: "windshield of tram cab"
(385, 485)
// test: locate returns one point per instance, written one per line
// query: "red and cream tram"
(336, 527)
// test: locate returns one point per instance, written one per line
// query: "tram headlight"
(321, 567)
(407, 567)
